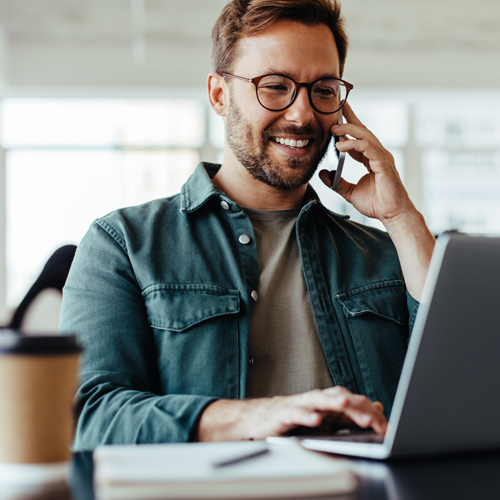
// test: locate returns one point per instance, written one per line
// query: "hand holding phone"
(335, 175)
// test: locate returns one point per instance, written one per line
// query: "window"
(460, 164)
(70, 161)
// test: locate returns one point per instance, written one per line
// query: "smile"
(292, 142)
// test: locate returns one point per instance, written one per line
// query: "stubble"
(252, 152)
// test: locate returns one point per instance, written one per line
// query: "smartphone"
(335, 175)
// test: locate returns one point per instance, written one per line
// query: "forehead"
(302, 52)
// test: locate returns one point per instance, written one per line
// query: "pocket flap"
(386, 299)
(178, 307)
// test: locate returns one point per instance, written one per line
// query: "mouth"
(292, 143)
(298, 146)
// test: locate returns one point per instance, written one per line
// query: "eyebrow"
(274, 71)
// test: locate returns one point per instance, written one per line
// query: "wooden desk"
(459, 478)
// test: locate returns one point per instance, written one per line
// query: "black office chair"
(53, 276)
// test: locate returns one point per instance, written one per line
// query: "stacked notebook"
(217, 470)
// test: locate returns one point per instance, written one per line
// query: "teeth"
(292, 142)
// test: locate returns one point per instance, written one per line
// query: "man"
(242, 308)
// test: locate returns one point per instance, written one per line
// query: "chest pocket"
(195, 329)
(385, 299)
(377, 315)
(179, 307)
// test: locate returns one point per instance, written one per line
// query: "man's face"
(305, 54)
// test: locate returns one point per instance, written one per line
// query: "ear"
(218, 93)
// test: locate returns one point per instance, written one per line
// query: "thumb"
(324, 175)
(345, 188)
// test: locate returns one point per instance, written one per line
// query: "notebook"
(162, 471)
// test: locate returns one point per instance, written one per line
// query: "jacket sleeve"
(118, 400)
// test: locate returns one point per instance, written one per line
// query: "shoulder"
(141, 214)
(137, 222)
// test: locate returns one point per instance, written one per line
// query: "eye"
(322, 92)
(274, 86)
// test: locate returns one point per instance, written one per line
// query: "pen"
(240, 458)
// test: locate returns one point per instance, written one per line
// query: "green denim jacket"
(159, 297)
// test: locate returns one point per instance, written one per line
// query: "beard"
(252, 152)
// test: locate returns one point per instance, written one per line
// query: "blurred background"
(103, 105)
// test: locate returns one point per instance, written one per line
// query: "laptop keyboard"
(359, 438)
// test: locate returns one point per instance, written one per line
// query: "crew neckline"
(272, 214)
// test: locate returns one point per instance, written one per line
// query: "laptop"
(448, 397)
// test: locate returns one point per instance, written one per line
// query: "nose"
(300, 112)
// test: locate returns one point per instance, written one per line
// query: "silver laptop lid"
(448, 397)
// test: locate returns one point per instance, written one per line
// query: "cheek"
(262, 123)
(327, 121)
(253, 115)
(261, 117)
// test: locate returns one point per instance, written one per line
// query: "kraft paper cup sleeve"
(37, 386)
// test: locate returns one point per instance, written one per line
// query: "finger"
(324, 400)
(350, 116)
(368, 150)
(358, 403)
(365, 414)
(357, 157)
(353, 130)
(300, 415)
(357, 407)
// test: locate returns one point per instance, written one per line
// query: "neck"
(234, 180)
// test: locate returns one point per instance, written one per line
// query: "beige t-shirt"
(284, 346)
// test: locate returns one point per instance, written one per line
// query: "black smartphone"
(335, 175)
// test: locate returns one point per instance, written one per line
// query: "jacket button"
(244, 239)
(250, 361)
(254, 295)
(224, 205)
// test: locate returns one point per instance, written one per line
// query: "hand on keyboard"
(326, 411)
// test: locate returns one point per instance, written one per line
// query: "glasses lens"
(275, 91)
(329, 95)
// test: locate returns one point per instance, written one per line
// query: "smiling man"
(242, 308)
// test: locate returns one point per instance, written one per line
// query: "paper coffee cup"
(38, 378)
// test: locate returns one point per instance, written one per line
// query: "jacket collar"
(199, 188)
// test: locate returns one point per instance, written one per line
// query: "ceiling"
(391, 24)
(167, 42)
(109, 20)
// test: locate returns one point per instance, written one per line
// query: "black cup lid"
(14, 342)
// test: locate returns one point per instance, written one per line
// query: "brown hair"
(241, 18)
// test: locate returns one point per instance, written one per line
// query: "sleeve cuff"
(184, 410)
(412, 309)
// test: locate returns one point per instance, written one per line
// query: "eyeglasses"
(278, 92)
